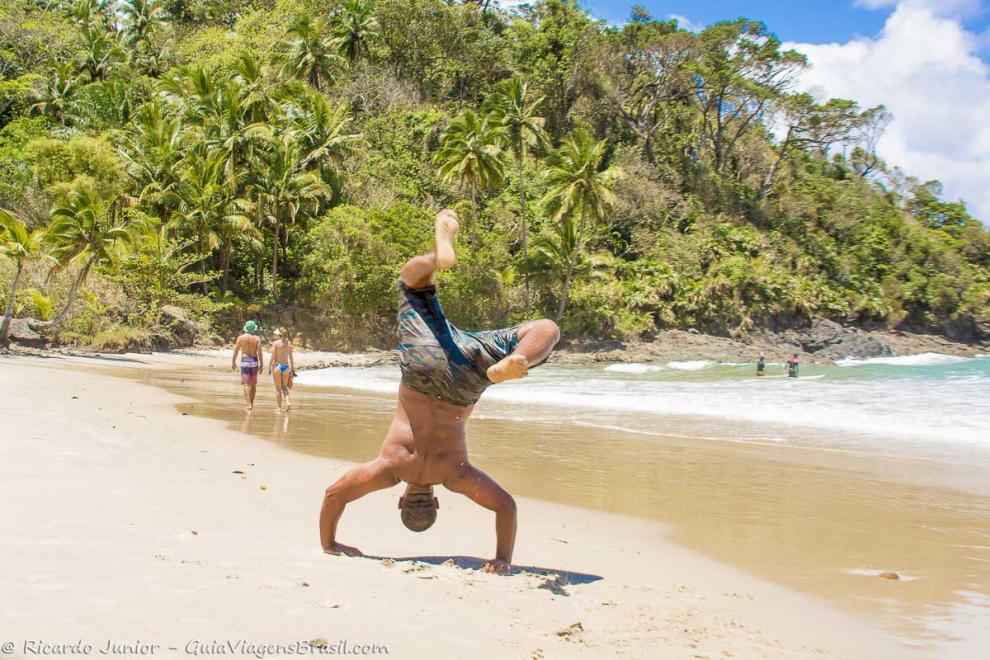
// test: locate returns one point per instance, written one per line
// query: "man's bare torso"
(249, 344)
(425, 445)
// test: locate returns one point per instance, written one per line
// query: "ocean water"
(927, 405)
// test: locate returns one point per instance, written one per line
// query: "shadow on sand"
(476, 564)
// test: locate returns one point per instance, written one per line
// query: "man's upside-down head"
(419, 507)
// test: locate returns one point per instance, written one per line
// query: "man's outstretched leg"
(536, 340)
(418, 271)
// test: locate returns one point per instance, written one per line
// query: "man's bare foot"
(341, 549)
(499, 566)
(445, 230)
(514, 366)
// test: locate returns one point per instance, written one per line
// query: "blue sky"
(808, 21)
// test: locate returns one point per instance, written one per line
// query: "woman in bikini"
(282, 367)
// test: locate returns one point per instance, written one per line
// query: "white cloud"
(923, 66)
(687, 23)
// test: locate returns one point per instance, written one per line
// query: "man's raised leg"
(418, 271)
(536, 340)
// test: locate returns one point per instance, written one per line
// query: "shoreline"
(140, 478)
(822, 344)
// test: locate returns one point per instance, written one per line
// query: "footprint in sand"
(555, 584)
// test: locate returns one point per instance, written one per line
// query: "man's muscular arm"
(484, 491)
(233, 358)
(358, 482)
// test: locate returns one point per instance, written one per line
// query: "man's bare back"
(248, 347)
(425, 443)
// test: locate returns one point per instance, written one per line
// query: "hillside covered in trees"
(218, 159)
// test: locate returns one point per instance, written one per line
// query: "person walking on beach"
(248, 345)
(761, 367)
(792, 366)
(282, 367)
(444, 372)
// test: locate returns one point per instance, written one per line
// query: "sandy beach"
(130, 520)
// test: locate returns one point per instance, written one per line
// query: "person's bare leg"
(418, 271)
(536, 340)
(252, 390)
(284, 383)
(444, 230)
(248, 398)
(277, 381)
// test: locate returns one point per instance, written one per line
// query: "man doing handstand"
(444, 372)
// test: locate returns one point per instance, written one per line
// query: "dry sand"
(124, 519)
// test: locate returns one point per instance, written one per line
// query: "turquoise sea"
(928, 405)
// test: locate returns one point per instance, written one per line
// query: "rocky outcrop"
(22, 334)
(183, 329)
(831, 341)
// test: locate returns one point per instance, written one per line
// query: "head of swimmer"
(418, 507)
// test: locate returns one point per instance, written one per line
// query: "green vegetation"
(208, 160)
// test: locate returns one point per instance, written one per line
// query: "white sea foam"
(919, 360)
(953, 408)
(690, 365)
(633, 368)
(375, 379)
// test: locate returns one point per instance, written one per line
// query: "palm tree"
(580, 195)
(205, 202)
(259, 93)
(84, 231)
(512, 108)
(470, 156)
(287, 195)
(59, 92)
(323, 130)
(100, 52)
(560, 252)
(312, 53)
(17, 243)
(141, 17)
(355, 27)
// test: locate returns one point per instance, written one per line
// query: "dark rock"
(827, 339)
(180, 325)
(21, 333)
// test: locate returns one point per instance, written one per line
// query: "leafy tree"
(815, 126)
(741, 71)
(19, 244)
(643, 73)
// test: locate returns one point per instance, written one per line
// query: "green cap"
(251, 326)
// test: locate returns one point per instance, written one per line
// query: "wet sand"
(826, 523)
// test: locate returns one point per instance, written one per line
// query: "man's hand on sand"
(499, 566)
(341, 549)
(514, 366)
